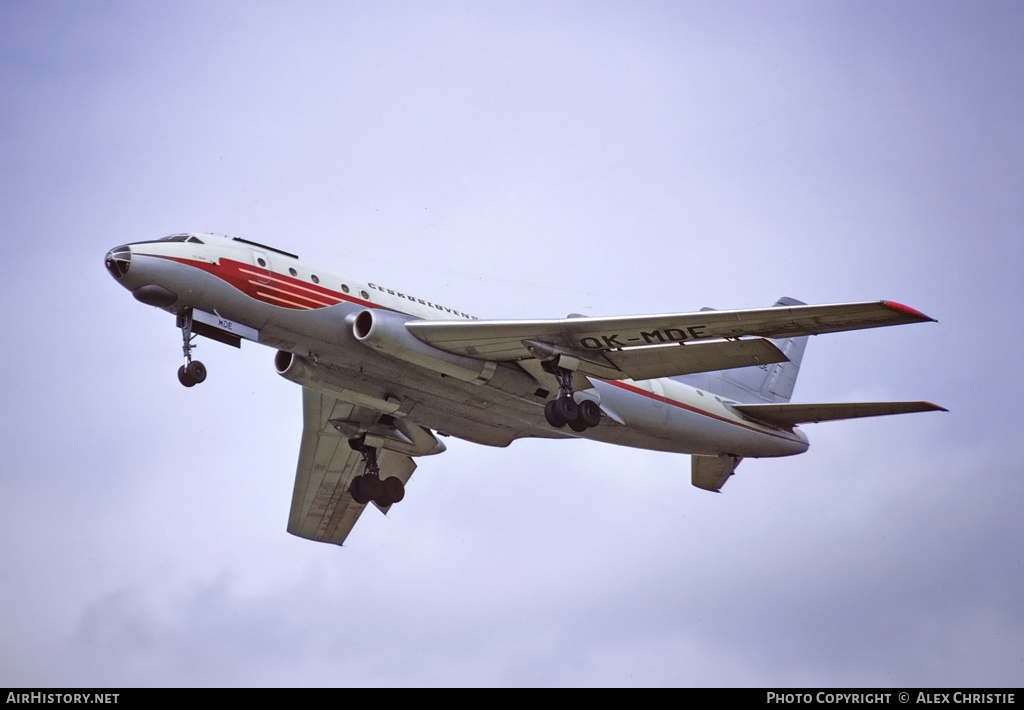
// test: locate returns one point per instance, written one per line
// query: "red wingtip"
(912, 312)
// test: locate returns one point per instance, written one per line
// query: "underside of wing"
(647, 363)
(644, 347)
(322, 508)
(789, 415)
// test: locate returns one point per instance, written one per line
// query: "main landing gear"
(564, 409)
(192, 372)
(368, 486)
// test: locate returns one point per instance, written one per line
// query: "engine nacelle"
(391, 433)
(385, 332)
(317, 377)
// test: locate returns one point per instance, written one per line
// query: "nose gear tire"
(185, 378)
(196, 370)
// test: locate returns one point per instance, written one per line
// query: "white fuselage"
(279, 301)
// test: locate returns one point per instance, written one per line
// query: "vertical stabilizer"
(764, 383)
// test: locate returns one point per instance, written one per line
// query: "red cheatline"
(284, 300)
(289, 293)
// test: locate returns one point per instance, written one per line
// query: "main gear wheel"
(369, 485)
(564, 409)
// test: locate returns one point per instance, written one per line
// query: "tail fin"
(765, 383)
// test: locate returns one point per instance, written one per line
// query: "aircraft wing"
(788, 415)
(322, 508)
(644, 347)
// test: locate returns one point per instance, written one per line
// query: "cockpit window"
(181, 238)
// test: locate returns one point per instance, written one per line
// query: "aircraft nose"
(118, 261)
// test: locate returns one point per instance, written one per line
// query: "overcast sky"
(515, 160)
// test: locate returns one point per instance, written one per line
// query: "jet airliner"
(385, 373)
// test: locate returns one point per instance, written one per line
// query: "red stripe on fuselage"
(292, 287)
(264, 296)
(260, 284)
(238, 274)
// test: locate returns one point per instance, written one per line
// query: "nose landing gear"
(192, 372)
(564, 410)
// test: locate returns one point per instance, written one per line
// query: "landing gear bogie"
(369, 485)
(565, 410)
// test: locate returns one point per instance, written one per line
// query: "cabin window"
(293, 272)
(344, 288)
(261, 261)
(315, 279)
(365, 295)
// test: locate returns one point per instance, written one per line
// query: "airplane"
(385, 373)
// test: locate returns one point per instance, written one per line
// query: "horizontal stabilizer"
(788, 415)
(711, 472)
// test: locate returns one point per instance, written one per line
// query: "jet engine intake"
(321, 378)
